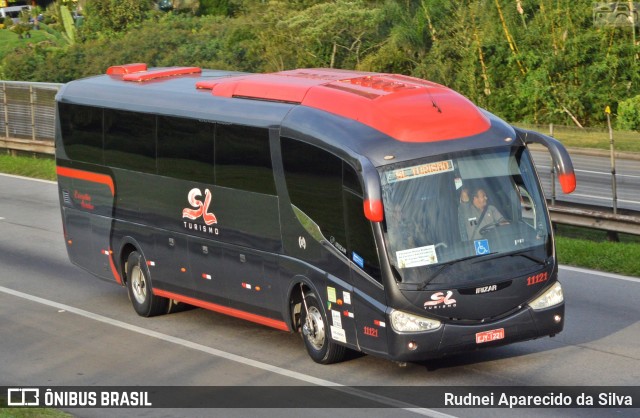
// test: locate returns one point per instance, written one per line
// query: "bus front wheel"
(140, 290)
(315, 333)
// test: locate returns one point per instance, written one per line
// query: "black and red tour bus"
(373, 212)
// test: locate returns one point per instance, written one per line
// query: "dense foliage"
(532, 60)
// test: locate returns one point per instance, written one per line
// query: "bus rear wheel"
(315, 333)
(144, 302)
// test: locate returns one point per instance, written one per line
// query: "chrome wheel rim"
(316, 334)
(138, 285)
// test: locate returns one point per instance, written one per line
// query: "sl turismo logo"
(202, 209)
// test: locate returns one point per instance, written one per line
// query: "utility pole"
(612, 235)
(614, 192)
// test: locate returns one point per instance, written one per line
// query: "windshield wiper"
(448, 264)
(523, 253)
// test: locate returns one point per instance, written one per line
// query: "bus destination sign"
(421, 170)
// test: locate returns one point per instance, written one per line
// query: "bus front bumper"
(452, 338)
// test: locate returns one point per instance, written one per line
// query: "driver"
(479, 215)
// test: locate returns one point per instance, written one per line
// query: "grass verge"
(590, 248)
(578, 247)
(32, 413)
(6, 412)
(41, 168)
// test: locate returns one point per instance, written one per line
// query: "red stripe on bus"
(87, 176)
(114, 270)
(262, 320)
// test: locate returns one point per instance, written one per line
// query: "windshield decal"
(357, 259)
(421, 170)
(417, 257)
(482, 246)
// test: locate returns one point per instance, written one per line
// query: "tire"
(144, 302)
(315, 333)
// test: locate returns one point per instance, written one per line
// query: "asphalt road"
(594, 180)
(62, 327)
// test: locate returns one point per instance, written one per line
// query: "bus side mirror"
(373, 207)
(559, 154)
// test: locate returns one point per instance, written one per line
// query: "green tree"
(105, 18)
(327, 34)
(217, 7)
(629, 114)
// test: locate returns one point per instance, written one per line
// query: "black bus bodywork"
(325, 202)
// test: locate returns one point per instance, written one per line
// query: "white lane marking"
(28, 178)
(229, 356)
(601, 273)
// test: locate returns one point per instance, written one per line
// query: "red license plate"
(492, 335)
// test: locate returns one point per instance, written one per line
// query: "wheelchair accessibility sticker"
(482, 246)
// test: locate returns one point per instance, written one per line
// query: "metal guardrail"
(595, 219)
(27, 123)
(27, 116)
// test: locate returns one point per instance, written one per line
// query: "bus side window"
(185, 149)
(129, 140)
(314, 183)
(81, 129)
(360, 241)
(243, 159)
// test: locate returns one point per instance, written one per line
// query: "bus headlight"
(406, 322)
(553, 296)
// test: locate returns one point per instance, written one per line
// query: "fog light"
(557, 318)
(412, 346)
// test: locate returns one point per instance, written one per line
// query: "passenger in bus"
(480, 214)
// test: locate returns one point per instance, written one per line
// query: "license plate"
(492, 335)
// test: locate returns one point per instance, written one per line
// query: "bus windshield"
(460, 209)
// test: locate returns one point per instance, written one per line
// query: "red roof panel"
(405, 108)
